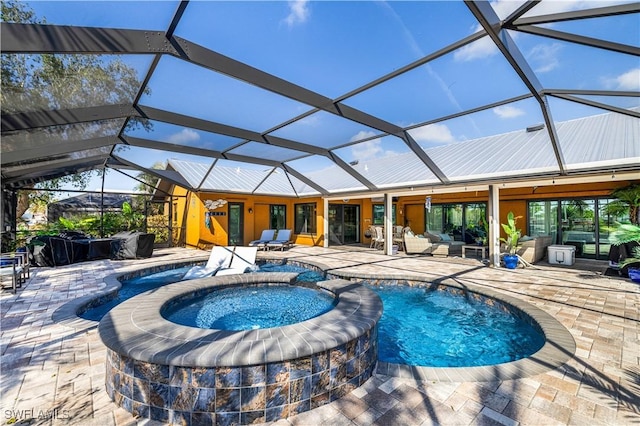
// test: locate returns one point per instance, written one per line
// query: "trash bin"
(561, 255)
(394, 249)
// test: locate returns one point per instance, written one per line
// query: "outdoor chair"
(14, 266)
(243, 260)
(282, 241)
(378, 237)
(266, 236)
(220, 258)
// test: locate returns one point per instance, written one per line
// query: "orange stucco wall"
(191, 210)
(256, 219)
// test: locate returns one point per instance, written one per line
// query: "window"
(543, 218)
(583, 223)
(305, 218)
(463, 222)
(277, 216)
(378, 214)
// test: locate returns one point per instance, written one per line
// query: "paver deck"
(54, 374)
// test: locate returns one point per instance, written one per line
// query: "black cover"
(145, 245)
(58, 251)
(132, 245)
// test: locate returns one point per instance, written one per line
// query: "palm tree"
(627, 200)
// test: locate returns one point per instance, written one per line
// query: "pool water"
(133, 287)
(139, 285)
(246, 308)
(440, 329)
(418, 327)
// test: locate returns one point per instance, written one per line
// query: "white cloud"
(298, 12)
(507, 111)
(439, 133)
(504, 8)
(544, 57)
(479, 49)
(184, 136)
(550, 7)
(630, 80)
(366, 150)
(362, 134)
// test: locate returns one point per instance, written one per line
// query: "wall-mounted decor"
(214, 204)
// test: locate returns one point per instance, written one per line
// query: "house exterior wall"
(407, 208)
(256, 218)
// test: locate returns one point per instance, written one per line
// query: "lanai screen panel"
(215, 97)
(325, 46)
(184, 136)
(326, 173)
(605, 140)
(387, 161)
(267, 151)
(325, 130)
(42, 143)
(230, 176)
(281, 183)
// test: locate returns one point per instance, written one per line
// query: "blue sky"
(335, 47)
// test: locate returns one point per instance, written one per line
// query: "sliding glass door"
(585, 224)
(344, 224)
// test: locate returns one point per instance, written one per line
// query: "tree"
(47, 82)
(627, 202)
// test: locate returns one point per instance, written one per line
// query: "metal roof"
(523, 153)
(299, 115)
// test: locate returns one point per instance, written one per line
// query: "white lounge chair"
(244, 260)
(220, 258)
(282, 241)
(266, 236)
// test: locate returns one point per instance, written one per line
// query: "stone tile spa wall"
(163, 371)
(239, 395)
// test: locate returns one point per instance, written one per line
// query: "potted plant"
(511, 241)
(628, 234)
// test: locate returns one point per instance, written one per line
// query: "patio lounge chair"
(282, 241)
(15, 266)
(220, 258)
(378, 238)
(243, 260)
(266, 236)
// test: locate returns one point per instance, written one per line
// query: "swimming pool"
(336, 351)
(98, 307)
(448, 328)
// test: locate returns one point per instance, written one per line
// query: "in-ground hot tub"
(168, 372)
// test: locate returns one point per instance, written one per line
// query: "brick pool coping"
(139, 331)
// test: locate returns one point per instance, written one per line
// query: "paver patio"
(54, 374)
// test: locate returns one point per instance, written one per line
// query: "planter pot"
(634, 274)
(510, 261)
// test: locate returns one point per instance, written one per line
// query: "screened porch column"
(388, 224)
(493, 212)
(325, 222)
